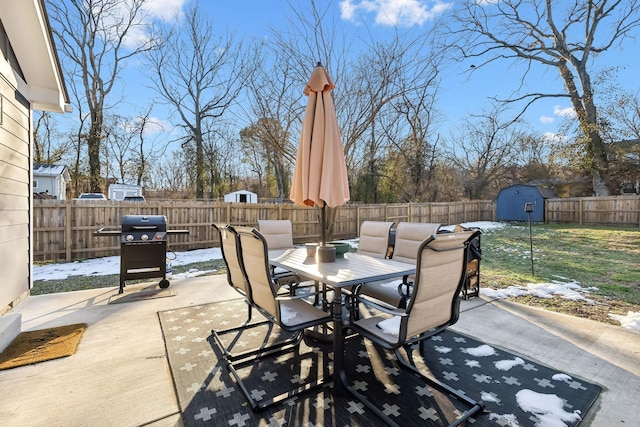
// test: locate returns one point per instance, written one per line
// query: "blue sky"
(461, 93)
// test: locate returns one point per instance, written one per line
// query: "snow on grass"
(568, 290)
(630, 321)
(111, 265)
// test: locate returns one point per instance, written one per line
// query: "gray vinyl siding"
(15, 191)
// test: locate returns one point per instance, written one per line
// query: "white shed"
(51, 179)
(241, 196)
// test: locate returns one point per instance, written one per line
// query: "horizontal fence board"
(610, 210)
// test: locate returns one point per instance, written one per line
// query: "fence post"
(68, 241)
(580, 212)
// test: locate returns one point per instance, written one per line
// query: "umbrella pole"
(323, 225)
(326, 253)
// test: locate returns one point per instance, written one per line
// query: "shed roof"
(545, 192)
(50, 170)
(241, 192)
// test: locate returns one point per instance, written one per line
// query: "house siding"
(15, 195)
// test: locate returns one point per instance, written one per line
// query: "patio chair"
(278, 233)
(471, 286)
(408, 237)
(433, 306)
(236, 277)
(374, 238)
(290, 313)
(374, 241)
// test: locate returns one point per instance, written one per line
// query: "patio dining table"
(352, 269)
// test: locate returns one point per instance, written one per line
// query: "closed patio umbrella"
(320, 175)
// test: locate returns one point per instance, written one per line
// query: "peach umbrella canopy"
(320, 175)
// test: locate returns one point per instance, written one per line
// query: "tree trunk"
(585, 109)
(93, 148)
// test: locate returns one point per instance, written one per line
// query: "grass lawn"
(605, 261)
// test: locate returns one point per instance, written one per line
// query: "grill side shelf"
(104, 231)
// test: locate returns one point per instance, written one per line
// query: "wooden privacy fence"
(63, 229)
(612, 210)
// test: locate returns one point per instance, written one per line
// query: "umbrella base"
(326, 253)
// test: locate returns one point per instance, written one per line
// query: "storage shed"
(51, 179)
(510, 203)
(241, 196)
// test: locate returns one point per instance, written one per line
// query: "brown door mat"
(46, 344)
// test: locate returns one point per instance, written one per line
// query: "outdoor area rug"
(38, 346)
(135, 294)
(517, 392)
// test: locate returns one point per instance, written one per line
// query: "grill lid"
(147, 223)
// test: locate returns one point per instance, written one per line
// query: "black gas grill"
(143, 247)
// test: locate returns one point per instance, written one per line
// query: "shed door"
(15, 195)
(511, 202)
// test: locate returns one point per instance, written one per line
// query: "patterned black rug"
(516, 391)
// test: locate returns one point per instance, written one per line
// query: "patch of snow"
(484, 226)
(287, 314)
(630, 321)
(472, 363)
(505, 365)
(567, 290)
(481, 351)
(548, 408)
(489, 397)
(561, 377)
(390, 326)
(505, 420)
(111, 265)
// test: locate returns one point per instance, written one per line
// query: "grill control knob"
(144, 237)
(129, 237)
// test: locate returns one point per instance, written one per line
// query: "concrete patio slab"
(120, 376)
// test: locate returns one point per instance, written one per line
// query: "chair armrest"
(286, 278)
(289, 297)
(393, 311)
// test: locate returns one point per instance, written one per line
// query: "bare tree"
(49, 145)
(130, 147)
(555, 34)
(96, 36)
(200, 76)
(262, 141)
(486, 152)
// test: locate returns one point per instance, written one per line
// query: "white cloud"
(551, 137)
(404, 13)
(153, 125)
(564, 112)
(164, 10)
(546, 119)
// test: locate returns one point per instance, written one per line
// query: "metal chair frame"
(264, 305)
(406, 342)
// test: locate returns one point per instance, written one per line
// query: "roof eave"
(29, 31)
